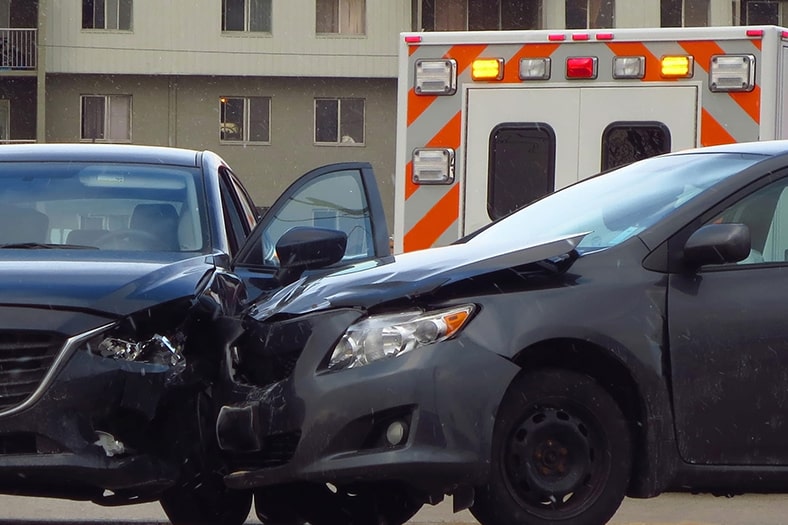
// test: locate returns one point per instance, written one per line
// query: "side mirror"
(717, 244)
(303, 248)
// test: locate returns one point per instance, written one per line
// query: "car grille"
(25, 358)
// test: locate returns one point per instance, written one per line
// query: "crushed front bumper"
(425, 417)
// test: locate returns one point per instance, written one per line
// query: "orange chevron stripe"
(429, 229)
(449, 136)
(412, 49)
(653, 63)
(464, 55)
(712, 132)
(750, 102)
(512, 73)
(410, 187)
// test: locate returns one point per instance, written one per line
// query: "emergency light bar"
(732, 73)
(433, 166)
(436, 77)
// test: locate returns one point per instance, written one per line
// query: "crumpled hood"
(92, 280)
(406, 275)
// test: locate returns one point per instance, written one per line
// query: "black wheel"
(206, 501)
(200, 496)
(562, 454)
(319, 504)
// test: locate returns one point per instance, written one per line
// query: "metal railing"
(17, 48)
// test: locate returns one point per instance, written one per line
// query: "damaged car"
(623, 336)
(115, 284)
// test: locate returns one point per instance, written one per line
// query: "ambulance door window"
(522, 166)
(625, 142)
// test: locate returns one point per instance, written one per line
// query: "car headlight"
(150, 336)
(391, 335)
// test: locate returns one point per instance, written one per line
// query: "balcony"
(17, 49)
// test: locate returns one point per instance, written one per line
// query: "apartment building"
(276, 87)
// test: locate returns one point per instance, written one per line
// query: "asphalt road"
(669, 509)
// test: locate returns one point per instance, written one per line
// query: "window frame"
(609, 4)
(533, 131)
(89, 15)
(782, 12)
(246, 124)
(669, 6)
(340, 135)
(340, 29)
(107, 128)
(247, 19)
(428, 18)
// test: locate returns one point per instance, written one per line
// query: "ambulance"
(489, 121)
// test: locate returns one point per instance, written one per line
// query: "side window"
(765, 213)
(106, 14)
(336, 201)
(341, 17)
(234, 216)
(522, 166)
(246, 15)
(339, 121)
(625, 142)
(684, 13)
(105, 118)
(590, 14)
(245, 119)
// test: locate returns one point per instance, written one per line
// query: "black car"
(116, 301)
(625, 335)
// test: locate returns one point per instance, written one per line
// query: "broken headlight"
(151, 336)
(390, 335)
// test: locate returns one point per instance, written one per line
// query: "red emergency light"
(581, 67)
(412, 39)
(580, 36)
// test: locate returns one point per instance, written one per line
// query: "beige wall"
(184, 111)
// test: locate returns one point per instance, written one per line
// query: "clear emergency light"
(487, 69)
(677, 66)
(535, 68)
(581, 67)
(436, 77)
(433, 166)
(629, 67)
(732, 73)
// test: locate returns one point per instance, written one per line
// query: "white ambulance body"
(489, 121)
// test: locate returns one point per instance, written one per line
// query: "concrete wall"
(184, 111)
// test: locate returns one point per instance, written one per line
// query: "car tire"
(207, 502)
(561, 454)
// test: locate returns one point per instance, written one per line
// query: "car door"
(342, 197)
(729, 342)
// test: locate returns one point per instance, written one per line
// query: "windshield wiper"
(44, 246)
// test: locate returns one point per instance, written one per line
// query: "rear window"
(522, 166)
(626, 142)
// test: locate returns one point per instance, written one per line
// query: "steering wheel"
(129, 240)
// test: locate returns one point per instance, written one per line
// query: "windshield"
(613, 207)
(107, 206)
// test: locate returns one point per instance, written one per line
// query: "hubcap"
(550, 458)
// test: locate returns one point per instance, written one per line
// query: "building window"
(106, 118)
(590, 14)
(106, 14)
(684, 13)
(347, 17)
(246, 15)
(764, 12)
(339, 121)
(245, 119)
(462, 15)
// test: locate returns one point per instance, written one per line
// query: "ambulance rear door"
(522, 143)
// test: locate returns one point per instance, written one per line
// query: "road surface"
(669, 509)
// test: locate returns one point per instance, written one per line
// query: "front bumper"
(94, 428)
(322, 426)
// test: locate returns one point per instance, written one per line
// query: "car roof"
(98, 153)
(764, 147)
